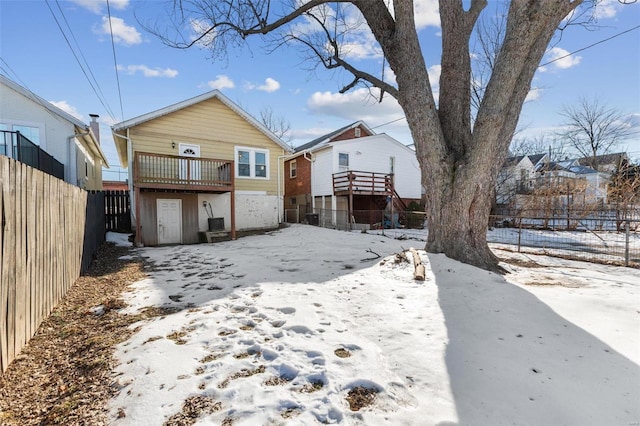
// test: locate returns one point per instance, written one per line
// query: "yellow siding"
(217, 129)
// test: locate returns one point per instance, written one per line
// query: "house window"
(29, 132)
(357, 132)
(261, 164)
(244, 163)
(252, 163)
(343, 160)
(293, 169)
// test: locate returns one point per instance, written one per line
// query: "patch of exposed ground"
(63, 375)
(194, 407)
(360, 397)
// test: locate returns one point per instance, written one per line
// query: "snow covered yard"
(284, 328)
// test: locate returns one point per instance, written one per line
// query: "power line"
(547, 63)
(103, 102)
(115, 62)
(81, 54)
(591, 45)
(12, 75)
(389, 122)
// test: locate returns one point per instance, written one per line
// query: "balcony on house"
(159, 171)
(15, 145)
(362, 183)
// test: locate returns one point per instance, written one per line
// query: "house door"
(169, 221)
(189, 169)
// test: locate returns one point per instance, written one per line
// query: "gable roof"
(89, 136)
(536, 158)
(214, 94)
(325, 139)
(599, 160)
(515, 160)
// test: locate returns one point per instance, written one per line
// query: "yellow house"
(200, 167)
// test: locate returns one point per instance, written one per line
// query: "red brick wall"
(300, 185)
(351, 134)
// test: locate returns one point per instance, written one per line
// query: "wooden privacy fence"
(117, 211)
(42, 226)
(94, 228)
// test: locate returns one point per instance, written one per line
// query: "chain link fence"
(594, 239)
(601, 239)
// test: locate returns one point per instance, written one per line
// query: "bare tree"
(459, 158)
(624, 192)
(277, 124)
(592, 128)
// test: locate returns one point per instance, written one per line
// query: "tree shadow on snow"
(512, 360)
(189, 276)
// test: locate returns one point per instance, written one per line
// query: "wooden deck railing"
(362, 183)
(172, 172)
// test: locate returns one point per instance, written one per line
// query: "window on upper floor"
(252, 163)
(293, 169)
(29, 132)
(343, 160)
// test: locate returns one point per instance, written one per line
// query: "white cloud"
(96, 6)
(355, 105)
(199, 28)
(270, 85)
(607, 9)
(71, 110)
(426, 14)
(534, 94)
(221, 82)
(148, 72)
(363, 46)
(122, 33)
(555, 53)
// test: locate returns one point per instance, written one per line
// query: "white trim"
(251, 192)
(291, 170)
(197, 99)
(252, 162)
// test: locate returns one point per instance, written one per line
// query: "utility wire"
(12, 75)
(115, 62)
(389, 122)
(78, 61)
(546, 63)
(591, 45)
(81, 54)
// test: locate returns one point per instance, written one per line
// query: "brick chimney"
(95, 126)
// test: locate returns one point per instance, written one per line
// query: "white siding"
(372, 154)
(15, 109)
(254, 211)
(369, 154)
(321, 169)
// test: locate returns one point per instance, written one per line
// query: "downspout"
(75, 167)
(134, 201)
(280, 194)
(312, 160)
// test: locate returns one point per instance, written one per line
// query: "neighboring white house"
(68, 140)
(351, 172)
(376, 154)
(517, 176)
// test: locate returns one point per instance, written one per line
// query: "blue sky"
(34, 53)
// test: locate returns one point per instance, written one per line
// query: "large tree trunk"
(459, 160)
(458, 223)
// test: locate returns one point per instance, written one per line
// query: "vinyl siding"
(217, 129)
